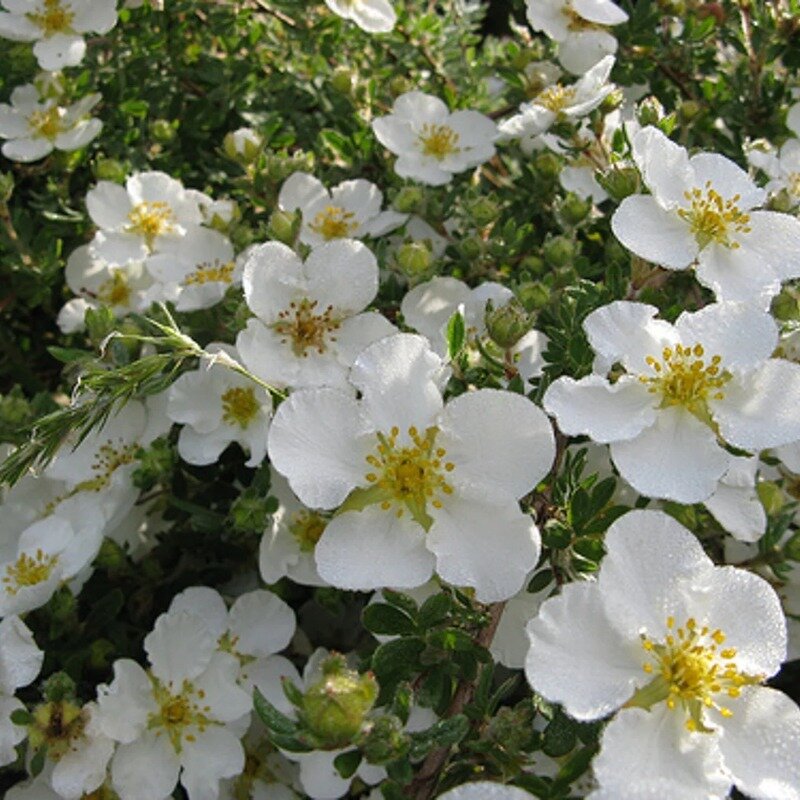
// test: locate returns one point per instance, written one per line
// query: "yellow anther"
(47, 124)
(28, 570)
(151, 219)
(304, 329)
(555, 98)
(438, 141)
(334, 222)
(210, 273)
(307, 528)
(713, 219)
(55, 18)
(115, 291)
(239, 406)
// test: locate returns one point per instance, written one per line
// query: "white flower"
(700, 211)
(217, 406)
(510, 643)
(429, 306)
(783, 167)
(684, 388)
(35, 127)
(308, 329)
(735, 503)
(121, 287)
(431, 143)
(258, 625)
(561, 102)
(287, 546)
(195, 271)
(135, 221)
(677, 647)
(485, 790)
(352, 209)
(20, 662)
(372, 16)
(57, 27)
(174, 719)
(417, 483)
(579, 28)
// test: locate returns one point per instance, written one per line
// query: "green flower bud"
(508, 324)
(574, 209)
(558, 251)
(471, 247)
(619, 180)
(250, 512)
(689, 109)
(58, 686)
(771, 496)
(783, 201)
(512, 728)
(385, 740)
(786, 306)
(101, 654)
(532, 264)
(284, 226)
(612, 101)
(547, 164)
(483, 210)
(343, 80)
(334, 707)
(243, 145)
(400, 85)
(409, 199)
(162, 130)
(414, 260)
(6, 186)
(792, 548)
(156, 464)
(109, 169)
(110, 556)
(650, 111)
(533, 295)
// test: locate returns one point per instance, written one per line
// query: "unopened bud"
(343, 80)
(414, 259)
(284, 226)
(242, 145)
(162, 130)
(250, 512)
(508, 324)
(650, 111)
(612, 101)
(574, 209)
(558, 251)
(109, 169)
(471, 247)
(483, 210)
(619, 181)
(547, 164)
(334, 708)
(786, 306)
(771, 496)
(385, 741)
(533, 295)
(689, 109)
(409, 199)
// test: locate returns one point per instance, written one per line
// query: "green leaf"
(395, 661)
(451, 639)
(386, 620)
(37, 762)
(134, 108)
(275, 720)
(560, 736)
(541, 580)
(456, 335)
(293, 694)
(347, 763)
(574, 767)
(21, 716)
(402, 601)
(434, 610)
(68, 354)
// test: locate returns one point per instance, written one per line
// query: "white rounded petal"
(20, 658)
(79, 136)
(649, 754)
(214, 754)
(748, 611)
(486, 452)
(604, 411)
(774, 239)
(27, 150)
(225, 699)
(60, 50)
(118, 247)
(195, 399)
(373, 548)
(488, 546)
(484, 790)
(262, 623)
(578, 659)
(374, 16)
(108, 205)
(653, 233)
(18, 28)
(648, 552)
(318, 440)
(300, 190)
(629, 333)
(759, 409)
(582, 50)
(424, 169)
(10, 734)
(395, 133)
(13, 124)
(741, 334)
(269, 357)
(99, 16)
(342, 273)
(362, 198)
(760, 745)
(727, 178)
(739, 510)
(664, 166)
(428, 307)
(82, 768)
(399, 378)
(737, 275)
(420, 108)
(677, 458)
(146, 769)
(603, 12)
(789, 455)
(383, 223)
(319, 778)
(357, 333)
(510, 644)
(203, 448)
(272, 278)
(124, 705)
(204, 602)
(179, 647)
(528, 355)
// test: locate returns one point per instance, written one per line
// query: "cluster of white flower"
(390, 475)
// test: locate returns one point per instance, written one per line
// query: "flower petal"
(179, 647)
(262, 623)
(146, 769)
(215, 753)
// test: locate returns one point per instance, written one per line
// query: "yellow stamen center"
(58, 725)
(53, 19)
(438, 141)
(691, 669)
(108, 459)
(683, 378)
(115, 291)
(304, 328)
(307, 528)
(334, 222)
(151, 219)
(410, 476)
(46, 124)
(179, 715)
(29, 570)
(555, 98)
(210, 273)
(712, 218)
(575, 22)
(239, 406)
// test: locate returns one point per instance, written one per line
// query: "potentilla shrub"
(394, 409)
